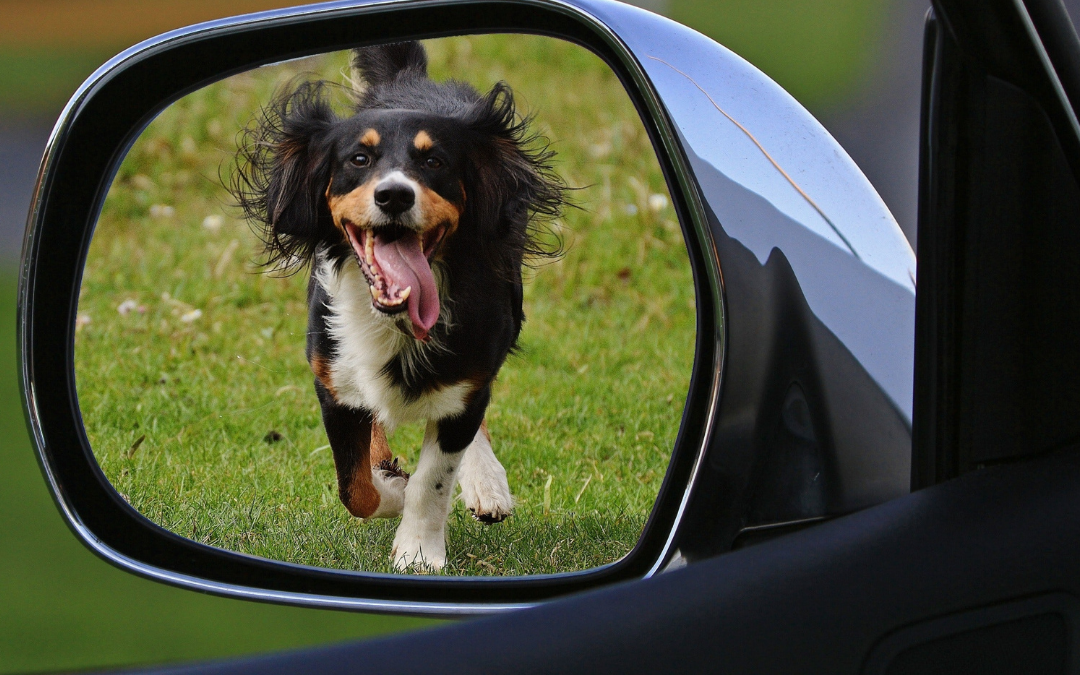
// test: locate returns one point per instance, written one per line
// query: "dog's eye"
(433, 163)
(360, 160)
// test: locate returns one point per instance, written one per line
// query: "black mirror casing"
(805, 306)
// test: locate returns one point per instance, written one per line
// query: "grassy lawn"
(820, 51)
(198, 401)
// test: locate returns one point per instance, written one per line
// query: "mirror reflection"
(329, 302)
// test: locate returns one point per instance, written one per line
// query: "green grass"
(183, 396)
(820, 51)
(62, 608)
(38, 80)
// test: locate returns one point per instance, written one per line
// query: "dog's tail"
(383, 64)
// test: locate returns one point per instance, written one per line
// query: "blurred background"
(855, 64)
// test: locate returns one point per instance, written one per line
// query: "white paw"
(484, 488)
(488, 498)
(390, 482)
(415, 551)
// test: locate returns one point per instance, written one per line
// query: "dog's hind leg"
(484, 488)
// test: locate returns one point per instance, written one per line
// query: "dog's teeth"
(404, 295)
(374, 292)
(369, 248)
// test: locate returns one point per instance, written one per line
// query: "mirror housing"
(799, 406)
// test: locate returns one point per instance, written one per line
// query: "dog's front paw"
(484, 487)
(418, 552)
(489, 501)
(390, 480)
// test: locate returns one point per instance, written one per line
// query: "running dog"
(416, 215)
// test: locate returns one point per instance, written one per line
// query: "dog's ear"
(283, 170)
(382, 64)
(300, 169)
(513, 186)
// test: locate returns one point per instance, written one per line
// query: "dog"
(416, 215)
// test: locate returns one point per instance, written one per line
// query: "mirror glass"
(204, 395)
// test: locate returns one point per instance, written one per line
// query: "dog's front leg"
(420, 541)
(389, 479)
(368, 486)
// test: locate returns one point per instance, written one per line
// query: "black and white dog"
(416, 215)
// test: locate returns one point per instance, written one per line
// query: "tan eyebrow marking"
(423, 141)
(370, 138)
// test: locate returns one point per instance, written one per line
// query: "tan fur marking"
(363, 498)
(357, 492)
(436, 211)
(422, 141)
(380, 447)
(355, 487)
(321, 368)
(353, 206)
(478, 381)
(370, 138)
(484, 430)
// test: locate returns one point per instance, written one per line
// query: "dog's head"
(396, 194)
(420, 166)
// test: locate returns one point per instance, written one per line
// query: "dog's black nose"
(394, 198)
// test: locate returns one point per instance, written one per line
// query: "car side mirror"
(798, 391)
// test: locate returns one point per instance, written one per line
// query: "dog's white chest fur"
(366, 341)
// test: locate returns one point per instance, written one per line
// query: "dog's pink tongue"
(403, 264)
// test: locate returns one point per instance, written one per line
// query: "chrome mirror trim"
(803, 239)
(739, 125)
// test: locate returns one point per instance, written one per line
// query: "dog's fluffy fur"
(416, 215)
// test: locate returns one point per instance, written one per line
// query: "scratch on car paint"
(765, 152)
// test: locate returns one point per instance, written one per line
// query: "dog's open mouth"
(396, 261)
